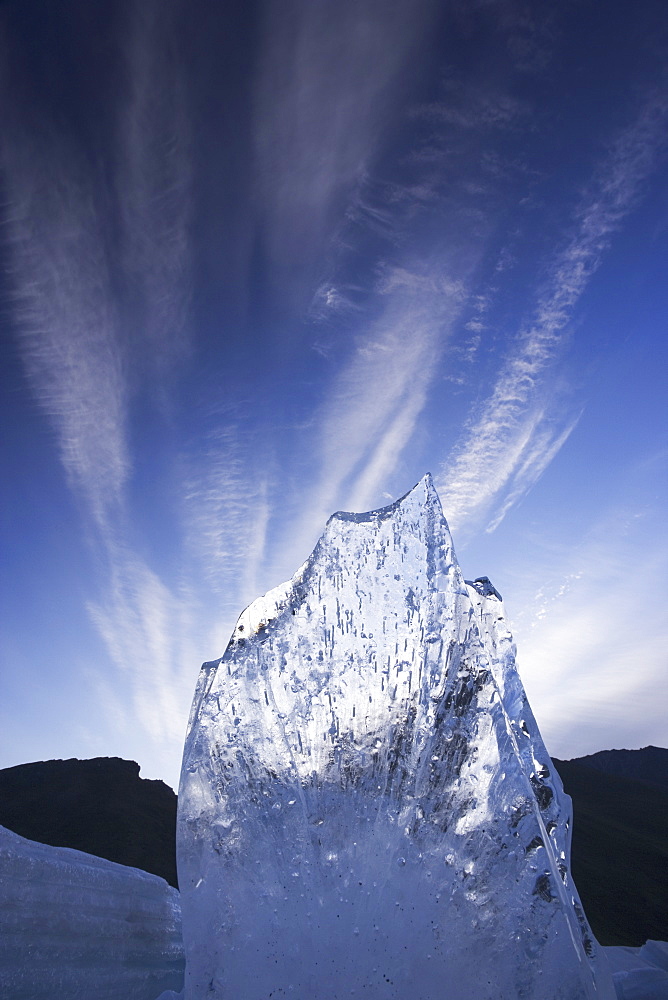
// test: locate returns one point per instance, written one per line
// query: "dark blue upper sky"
(264, 261)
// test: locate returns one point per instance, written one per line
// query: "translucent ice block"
(366, 806)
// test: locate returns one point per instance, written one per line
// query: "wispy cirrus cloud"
(589, 639)
(154, 181)
(98, 248)
(475, 108)
(227, 510)
(513, 435)
(148, 630)
(328, 79)
(537, 448)
(373, 406)
(157, 633)
(66, 319)
(83, 329)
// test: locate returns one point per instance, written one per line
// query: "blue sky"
(265, 261)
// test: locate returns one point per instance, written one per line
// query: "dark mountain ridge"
(619, 856)
(100, 806)
(650, 764)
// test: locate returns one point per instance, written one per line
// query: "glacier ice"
(640, 973)
(76, 926)
(366, 806)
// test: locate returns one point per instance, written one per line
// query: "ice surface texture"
(77, 927)
(640, 973)
(366, 805)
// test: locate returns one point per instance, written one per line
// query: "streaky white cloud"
(154, 180)
(591, 642)
(148, 631)
(513, 435)
(538, 448)
(383, 459)
(330, 299)
(226, 512)
(475, 108)
(88, 334)
(357, 439)
(65, 317)
(70, 314)
(373, 406)
(327, 80)
(157, 634)
(378, 396)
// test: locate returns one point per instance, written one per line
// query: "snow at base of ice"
(640, 973)
(78, 927)
(367, 808)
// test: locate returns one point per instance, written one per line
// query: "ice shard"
(367, 808)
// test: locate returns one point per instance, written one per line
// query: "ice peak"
(423, 495)
(364, 783)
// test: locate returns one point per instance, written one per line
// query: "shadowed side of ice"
(366, 805)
